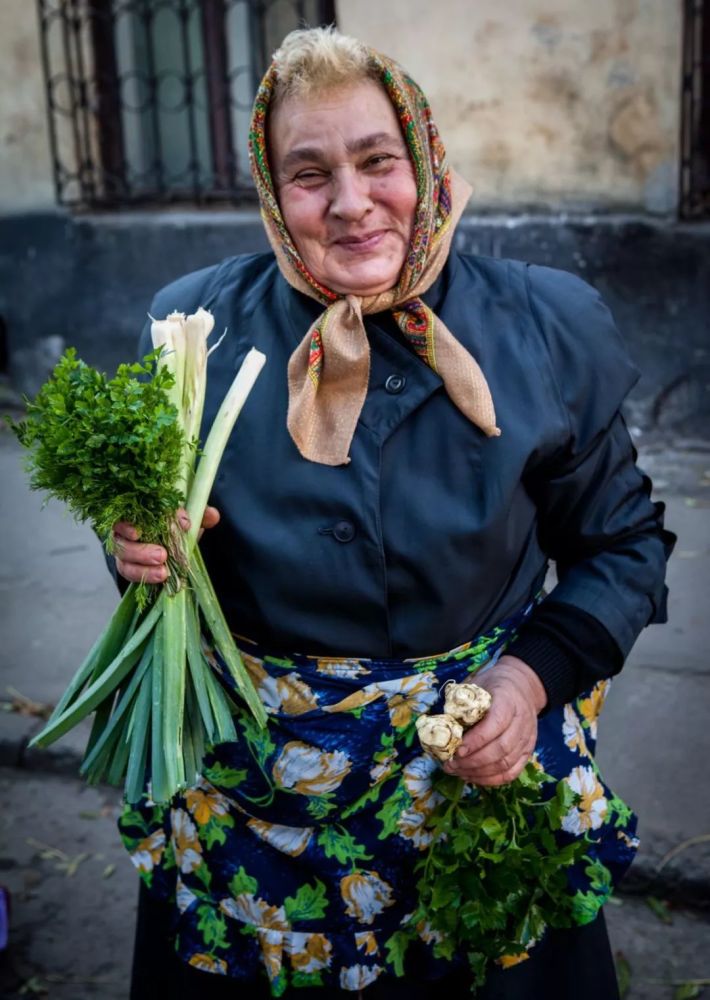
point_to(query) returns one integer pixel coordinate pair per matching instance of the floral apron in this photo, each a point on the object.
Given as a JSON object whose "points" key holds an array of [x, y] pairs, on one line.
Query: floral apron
{"points": [[294, 852]]}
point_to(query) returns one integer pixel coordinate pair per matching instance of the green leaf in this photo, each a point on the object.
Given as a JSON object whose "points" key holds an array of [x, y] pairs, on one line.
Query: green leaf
{"points": [[342, 846], [213, 832], [600, 877], [492, 827], [307, 979], [446, 892], [132, 818], [203, 873], [477, 962], [395, 949], [392, 809], [558, 807], [319, 806], [212, 926], [446, 948], [585, 906], [279, 985], [225, 777], [243, 883], [309, 903], [462, 842], [622, 811], [259, 740]]}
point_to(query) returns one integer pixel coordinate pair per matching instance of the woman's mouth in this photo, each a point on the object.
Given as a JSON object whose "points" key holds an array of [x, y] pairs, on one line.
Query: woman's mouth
{"points": [[361, 244]]}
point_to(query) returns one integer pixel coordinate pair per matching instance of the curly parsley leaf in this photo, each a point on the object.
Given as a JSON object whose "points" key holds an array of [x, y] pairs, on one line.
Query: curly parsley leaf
{"points": [[109, 448]]}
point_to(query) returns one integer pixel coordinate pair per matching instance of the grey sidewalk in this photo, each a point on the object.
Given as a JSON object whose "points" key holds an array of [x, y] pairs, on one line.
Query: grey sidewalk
{"points": [[55, 596]]}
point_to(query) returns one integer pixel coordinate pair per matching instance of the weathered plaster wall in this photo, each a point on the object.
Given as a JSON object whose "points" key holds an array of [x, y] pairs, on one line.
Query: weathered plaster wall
{"points": [[558, 103], [561, 104], [25, 170]]}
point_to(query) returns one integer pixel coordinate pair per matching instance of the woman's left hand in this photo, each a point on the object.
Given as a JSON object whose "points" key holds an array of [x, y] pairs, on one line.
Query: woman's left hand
{"points": [[497, 748]]}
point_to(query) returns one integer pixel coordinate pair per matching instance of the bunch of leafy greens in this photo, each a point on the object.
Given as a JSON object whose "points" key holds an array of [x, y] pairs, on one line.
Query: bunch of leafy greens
{"points": [[109, 448], [495, 875], [124, 449]]}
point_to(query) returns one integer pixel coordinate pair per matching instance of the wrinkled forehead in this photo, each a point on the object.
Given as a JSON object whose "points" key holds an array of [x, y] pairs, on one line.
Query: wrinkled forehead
{"points": [[349, 119]]}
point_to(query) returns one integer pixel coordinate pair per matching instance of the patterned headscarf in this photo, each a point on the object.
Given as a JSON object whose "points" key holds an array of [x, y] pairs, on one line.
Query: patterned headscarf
{"points": [[328, 372]]}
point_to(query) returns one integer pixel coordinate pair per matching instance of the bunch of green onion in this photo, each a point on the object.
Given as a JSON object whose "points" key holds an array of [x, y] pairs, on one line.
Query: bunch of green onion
{"points": [[158, 703]]}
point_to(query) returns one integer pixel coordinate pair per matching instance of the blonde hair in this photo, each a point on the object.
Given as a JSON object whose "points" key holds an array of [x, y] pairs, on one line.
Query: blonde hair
{"points": [[311, 60]]}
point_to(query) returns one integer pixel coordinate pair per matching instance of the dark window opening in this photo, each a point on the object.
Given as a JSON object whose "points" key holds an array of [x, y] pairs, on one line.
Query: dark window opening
{"points": [[149, 100], [695, 135]]}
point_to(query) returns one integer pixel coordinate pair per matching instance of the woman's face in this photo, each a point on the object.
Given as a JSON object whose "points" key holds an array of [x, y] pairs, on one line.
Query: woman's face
{"points": [[345, 185]]}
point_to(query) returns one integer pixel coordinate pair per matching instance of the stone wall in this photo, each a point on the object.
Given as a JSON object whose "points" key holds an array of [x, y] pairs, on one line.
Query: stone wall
{"points": [[545, 104], [25, 166]]}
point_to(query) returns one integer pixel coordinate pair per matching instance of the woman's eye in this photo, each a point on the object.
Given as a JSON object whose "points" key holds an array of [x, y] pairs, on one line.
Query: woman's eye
{"points": [[379, 160], [310, 177]]}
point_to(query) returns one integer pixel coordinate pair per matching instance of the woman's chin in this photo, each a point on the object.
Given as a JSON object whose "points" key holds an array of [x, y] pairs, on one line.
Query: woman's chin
{"points": [[365, 281]]}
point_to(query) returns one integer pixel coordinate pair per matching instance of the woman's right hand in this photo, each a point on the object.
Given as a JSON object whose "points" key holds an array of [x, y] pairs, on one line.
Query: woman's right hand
{"points": [[138, 561]]}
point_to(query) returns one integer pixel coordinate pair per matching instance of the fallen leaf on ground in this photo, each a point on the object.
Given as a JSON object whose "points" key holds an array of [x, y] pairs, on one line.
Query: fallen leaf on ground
{"points": [[70, 867], [687, 991], [660, 908], [63, 861], [33, 986], [23, 705], [623, 973], [47, 852]]}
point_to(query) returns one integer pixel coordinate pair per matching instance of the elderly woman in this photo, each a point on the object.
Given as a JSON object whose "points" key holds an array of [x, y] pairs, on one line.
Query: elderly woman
{"points": [[430, 429]]}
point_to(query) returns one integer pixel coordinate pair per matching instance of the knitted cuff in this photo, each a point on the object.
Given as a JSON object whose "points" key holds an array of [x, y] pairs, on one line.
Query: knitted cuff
{"points": [[550, 661]]}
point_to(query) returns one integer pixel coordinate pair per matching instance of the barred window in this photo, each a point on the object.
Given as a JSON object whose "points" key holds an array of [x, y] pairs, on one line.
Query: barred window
{"points": [[149, 100], [695, 138]]}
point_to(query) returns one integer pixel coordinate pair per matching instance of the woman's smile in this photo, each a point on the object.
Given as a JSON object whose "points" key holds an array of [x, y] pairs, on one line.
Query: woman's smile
{"points": [[361, 244]]}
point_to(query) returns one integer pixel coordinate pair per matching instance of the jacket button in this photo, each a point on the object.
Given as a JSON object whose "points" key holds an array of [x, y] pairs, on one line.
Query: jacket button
{"points": [[395, 384], [344, 531]]}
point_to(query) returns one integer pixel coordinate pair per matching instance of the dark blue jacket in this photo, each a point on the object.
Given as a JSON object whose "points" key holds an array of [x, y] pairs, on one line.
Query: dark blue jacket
{"points": [[433, 533]]}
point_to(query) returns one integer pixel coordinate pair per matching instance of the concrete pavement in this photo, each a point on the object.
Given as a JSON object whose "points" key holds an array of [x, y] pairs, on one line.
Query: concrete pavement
{"points": [[55, 596]]}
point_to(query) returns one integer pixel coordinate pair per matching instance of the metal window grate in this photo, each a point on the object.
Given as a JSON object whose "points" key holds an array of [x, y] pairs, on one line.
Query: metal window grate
{"points": [[695, 134], [149, 100]]}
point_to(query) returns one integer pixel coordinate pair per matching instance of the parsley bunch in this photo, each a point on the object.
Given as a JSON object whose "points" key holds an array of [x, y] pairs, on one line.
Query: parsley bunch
{"points": [[495, 875], [109, 448]]}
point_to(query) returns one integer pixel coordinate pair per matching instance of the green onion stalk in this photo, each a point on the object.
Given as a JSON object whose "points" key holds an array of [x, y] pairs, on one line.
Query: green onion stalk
{"points": [[96, 444]]}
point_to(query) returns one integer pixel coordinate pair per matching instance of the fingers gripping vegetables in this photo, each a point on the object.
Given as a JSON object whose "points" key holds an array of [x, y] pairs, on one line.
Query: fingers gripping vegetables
{"points": [[464, 705], [125, 449]]}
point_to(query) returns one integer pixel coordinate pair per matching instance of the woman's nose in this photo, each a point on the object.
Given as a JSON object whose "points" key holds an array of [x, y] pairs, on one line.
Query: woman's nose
{"points": [[351, 196]]}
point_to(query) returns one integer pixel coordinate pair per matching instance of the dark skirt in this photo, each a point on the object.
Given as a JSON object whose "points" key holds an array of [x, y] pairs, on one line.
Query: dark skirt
{"points": [[574, 964]]}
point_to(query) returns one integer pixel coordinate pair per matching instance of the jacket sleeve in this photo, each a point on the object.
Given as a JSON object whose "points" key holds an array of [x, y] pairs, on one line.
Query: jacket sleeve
{"points": [[596, 518]]}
